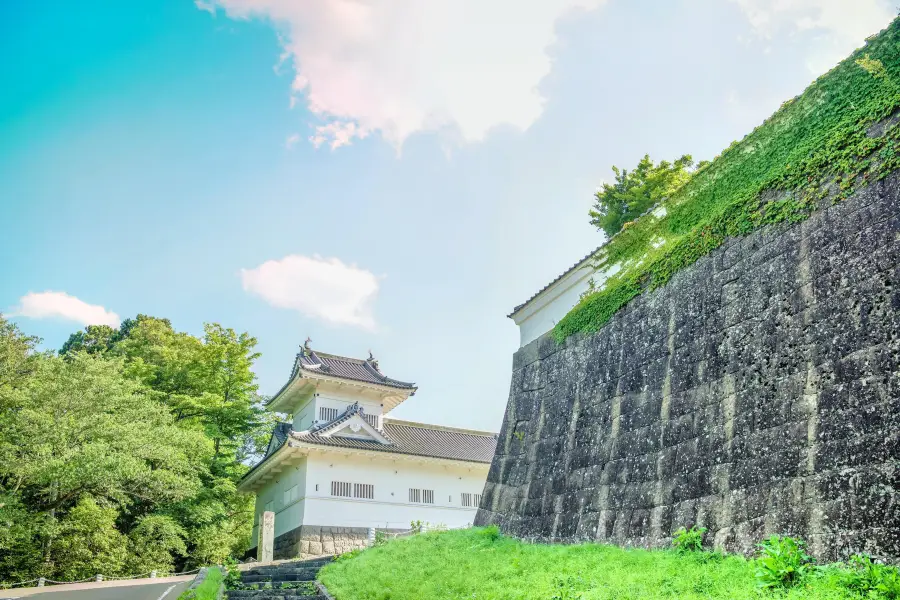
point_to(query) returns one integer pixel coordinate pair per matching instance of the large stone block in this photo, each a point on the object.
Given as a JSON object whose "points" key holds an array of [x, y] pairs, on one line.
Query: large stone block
{"points": [[757, 393]]}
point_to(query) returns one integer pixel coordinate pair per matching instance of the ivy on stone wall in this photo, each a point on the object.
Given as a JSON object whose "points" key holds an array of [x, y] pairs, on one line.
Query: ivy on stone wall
{"points": [[841, 133]]}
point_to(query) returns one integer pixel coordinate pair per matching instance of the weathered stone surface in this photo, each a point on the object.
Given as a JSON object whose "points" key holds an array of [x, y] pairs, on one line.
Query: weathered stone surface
{"points": [[308, 541], [757, 393], [266, 537]]}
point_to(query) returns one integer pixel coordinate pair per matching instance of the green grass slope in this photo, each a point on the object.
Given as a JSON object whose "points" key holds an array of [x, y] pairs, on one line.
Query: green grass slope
{"points": [[473, 565], [818, 148], [208, 590]]}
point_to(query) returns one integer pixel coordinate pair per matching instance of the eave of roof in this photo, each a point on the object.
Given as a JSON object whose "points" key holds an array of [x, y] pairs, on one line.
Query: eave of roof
{"points": [[412, 442], [581, 262], [418, 439], [344, 367], [373, 446], [374, 376]]}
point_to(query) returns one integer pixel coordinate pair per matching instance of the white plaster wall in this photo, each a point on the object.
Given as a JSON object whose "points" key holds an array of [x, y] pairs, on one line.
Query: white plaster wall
{"points": [[541, 314], [545, 311], [304, 417], [288, 515], [331, 398], [390, 507], [392, 480]]}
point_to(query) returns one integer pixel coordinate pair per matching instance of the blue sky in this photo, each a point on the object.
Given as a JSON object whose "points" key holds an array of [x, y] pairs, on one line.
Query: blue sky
{"points": [[385, 175]]}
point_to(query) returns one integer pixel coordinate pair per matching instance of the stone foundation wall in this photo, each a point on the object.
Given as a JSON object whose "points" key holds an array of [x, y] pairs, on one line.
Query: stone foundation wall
{"points": [[315, 540], [757, 393]]}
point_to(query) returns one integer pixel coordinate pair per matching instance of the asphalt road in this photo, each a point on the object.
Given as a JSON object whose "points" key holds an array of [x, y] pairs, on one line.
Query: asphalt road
{"points": [[155, 591]]}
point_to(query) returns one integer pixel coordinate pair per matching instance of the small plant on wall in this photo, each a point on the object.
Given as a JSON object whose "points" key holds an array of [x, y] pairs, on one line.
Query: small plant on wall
{"points": [[688, 540], [783, 562]]}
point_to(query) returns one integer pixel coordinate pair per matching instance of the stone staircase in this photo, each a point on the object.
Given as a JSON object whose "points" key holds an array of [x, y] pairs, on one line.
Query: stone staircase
{"points": [[282, 581]]}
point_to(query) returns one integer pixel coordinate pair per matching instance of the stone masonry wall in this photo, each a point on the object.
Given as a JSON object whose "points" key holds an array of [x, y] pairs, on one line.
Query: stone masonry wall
{"points": [[308, 541], [757, 393]]}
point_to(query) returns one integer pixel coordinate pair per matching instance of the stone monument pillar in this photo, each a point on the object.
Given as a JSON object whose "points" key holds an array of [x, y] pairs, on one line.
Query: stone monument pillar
{"points": [[266, 545]]}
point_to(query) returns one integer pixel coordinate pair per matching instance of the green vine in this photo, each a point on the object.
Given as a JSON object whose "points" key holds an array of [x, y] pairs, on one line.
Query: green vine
{"points": [[818, 147]]}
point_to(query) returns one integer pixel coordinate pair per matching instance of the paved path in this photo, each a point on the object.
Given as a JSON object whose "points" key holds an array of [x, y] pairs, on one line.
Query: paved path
{"points": [[166, 590]]}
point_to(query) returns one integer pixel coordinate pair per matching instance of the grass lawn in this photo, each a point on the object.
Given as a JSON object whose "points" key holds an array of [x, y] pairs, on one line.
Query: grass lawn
{"points": [[206, 590], [467, 564]]}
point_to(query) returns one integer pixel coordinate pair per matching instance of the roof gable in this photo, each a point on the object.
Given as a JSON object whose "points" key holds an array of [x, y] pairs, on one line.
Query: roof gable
{"points": [[349, 424]]}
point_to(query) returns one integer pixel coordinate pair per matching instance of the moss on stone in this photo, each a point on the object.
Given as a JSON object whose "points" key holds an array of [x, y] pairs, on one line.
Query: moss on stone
{"points": [[841, 133]]}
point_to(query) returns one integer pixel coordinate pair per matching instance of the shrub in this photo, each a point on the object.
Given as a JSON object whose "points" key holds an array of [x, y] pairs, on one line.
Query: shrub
{"points": [[380, 538], [871, 579], [688, 540], [782, 563], [232, 574], [491, 533]]}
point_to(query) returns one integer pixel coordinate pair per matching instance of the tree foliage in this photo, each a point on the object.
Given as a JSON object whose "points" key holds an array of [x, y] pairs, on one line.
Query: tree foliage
{"points": [[121, 454], [637, 190]]}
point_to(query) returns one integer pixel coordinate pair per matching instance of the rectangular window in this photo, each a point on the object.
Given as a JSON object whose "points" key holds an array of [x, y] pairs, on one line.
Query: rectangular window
{"points": [[364, 490], [421, 496], [470, 500], [371, 420], [327, 414], [340, 488]]}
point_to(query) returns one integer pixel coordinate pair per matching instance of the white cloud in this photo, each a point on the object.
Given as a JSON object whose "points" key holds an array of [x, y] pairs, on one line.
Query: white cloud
{"points": [[60, 305], [322, 288], [291, 140], [844, 24], [206, 6], [403, 66]]}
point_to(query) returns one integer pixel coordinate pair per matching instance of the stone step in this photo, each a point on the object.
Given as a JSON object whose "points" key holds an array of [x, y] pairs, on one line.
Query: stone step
{"points": [[305, 590], [271, 595], [291, 574], [300, 564], [282, 576], [280, 571]]}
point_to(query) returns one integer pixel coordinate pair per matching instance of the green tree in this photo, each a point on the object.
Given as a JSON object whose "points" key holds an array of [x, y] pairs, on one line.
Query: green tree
{"points": [[80, 428], [130, 443], [636, 191], [153, 543], [230, 411], [21, 535], [17, 359], [87, 542], [93, 340], [209, 385]]}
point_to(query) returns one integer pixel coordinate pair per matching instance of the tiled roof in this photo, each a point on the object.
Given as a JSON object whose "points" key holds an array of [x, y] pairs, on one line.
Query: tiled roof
{"points": [[281, 433], [347, 368], [418, 439]]}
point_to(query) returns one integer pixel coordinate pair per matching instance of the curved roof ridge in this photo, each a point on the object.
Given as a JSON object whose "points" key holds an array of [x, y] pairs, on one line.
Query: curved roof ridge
{"points": [[420, 425], [346, 367]]}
